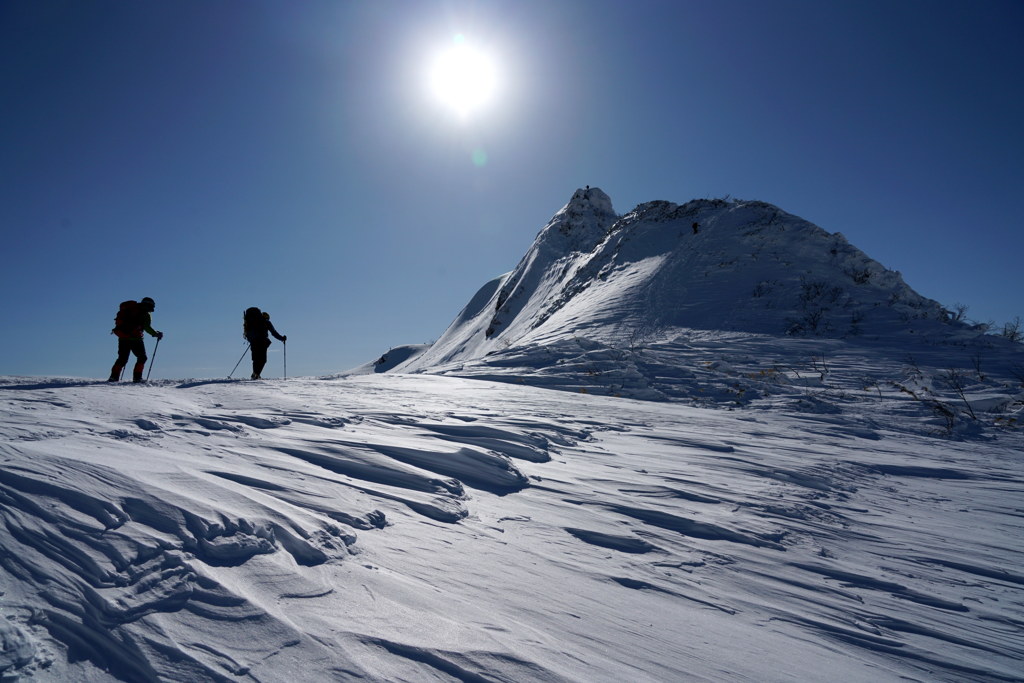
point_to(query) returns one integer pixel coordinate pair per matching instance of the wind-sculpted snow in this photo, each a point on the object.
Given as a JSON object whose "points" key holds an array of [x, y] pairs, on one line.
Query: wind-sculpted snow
{"points": [[418, 527]]}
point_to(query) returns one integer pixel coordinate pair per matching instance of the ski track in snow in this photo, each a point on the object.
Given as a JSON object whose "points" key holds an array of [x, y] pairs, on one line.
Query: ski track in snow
{"points": [[414, 527]]}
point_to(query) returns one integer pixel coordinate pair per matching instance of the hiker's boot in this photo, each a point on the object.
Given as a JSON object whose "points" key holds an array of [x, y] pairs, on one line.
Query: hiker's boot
{"points": [[115, 373]]}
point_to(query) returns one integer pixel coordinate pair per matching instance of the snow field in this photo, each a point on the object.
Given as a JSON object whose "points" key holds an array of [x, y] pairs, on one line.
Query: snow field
{"points": [[416, 527]]}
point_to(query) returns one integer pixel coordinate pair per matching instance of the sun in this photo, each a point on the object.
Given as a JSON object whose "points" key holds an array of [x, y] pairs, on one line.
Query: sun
{"points": [[463, 78]]}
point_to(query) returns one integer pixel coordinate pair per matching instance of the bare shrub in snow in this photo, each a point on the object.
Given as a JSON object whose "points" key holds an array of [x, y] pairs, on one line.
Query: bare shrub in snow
{"points": [[860, 276], [941, 410], [976, 362], [1012, 330], [958, 312], [819, 291], [956, 381]]}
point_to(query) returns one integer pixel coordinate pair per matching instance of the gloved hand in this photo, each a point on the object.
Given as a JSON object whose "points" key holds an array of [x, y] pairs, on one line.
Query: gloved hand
{"points": [[284, 337], [159, 335]]}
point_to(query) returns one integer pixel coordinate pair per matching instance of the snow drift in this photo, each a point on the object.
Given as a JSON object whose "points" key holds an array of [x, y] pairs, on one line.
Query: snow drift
{"points": [[415, 527]]}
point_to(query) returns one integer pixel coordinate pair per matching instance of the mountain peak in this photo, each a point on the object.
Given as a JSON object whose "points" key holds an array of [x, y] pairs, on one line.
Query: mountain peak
{"points": [[579, 225], [591, 200], [666, 269]]}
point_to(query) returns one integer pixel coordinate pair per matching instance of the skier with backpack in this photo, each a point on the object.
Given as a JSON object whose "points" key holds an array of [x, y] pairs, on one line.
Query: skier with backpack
{"points": [[133, 317], [257, 328]]}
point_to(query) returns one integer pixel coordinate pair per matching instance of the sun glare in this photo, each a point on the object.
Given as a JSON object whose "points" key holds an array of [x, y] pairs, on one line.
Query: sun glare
{"points": [[463, 79]]}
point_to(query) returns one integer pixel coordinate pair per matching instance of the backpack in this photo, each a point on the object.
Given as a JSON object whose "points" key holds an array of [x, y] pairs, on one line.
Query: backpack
{"points": [[253, 323], [128, 323]]}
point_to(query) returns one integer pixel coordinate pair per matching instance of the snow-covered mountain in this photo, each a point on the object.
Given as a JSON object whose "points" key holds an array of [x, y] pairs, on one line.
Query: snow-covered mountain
{"points": [[731, 266], [854, 514], [711, 302]]}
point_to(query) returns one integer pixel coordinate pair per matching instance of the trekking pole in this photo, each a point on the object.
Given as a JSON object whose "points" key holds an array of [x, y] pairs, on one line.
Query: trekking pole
{"points": [[153, 359], [285, 344], [239, 361]]}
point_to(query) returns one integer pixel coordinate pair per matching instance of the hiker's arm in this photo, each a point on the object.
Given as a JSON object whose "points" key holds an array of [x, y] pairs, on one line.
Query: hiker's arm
{"points": [[149, 328]]}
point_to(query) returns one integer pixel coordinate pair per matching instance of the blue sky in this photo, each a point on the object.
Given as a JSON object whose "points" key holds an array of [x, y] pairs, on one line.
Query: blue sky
{"points": [[289, 155]]}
